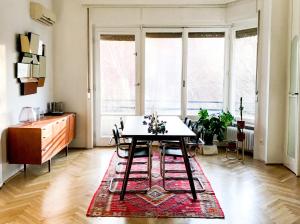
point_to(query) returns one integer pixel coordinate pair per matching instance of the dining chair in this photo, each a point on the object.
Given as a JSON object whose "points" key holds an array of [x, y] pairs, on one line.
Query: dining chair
{"points": [[174, 151], [141, 151], [127, 140], [188, 123]]}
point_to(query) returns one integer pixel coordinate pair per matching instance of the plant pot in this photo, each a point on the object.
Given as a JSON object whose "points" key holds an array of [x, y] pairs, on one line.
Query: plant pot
{"points": [[210, 150], [208, 139], [240, 124]]}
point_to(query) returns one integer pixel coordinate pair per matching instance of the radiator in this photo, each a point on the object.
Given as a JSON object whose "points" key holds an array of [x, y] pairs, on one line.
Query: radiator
{"points": [[249, 134]]}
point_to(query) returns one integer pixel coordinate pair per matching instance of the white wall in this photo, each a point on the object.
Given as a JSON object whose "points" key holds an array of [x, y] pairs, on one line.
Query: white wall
{"points": [[15, 19], [278, 76], [71, 63], [156, 16], [263, 71], [156, 2], [241, 11], [272, 74]]}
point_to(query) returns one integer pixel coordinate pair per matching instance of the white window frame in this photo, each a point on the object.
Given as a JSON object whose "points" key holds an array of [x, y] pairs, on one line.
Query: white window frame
{"points": [[226, 81], [99, 140], [159, 30], [231, 106]]}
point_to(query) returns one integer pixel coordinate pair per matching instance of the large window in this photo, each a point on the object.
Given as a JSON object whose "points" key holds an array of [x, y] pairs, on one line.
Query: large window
{"points": [[163, 73], [244, 72], [182, 70], [205, 71]]}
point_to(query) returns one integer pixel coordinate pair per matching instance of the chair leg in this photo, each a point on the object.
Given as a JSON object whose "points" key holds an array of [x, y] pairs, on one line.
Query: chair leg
{"points": [[163, 168], [150, 166]]}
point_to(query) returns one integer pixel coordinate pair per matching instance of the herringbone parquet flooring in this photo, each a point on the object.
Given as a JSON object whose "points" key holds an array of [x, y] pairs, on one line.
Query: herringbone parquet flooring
{"points": [[250, 193]]}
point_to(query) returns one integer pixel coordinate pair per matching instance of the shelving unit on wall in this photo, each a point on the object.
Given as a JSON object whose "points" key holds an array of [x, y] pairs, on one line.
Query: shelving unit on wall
{"points": [[31, 68]]}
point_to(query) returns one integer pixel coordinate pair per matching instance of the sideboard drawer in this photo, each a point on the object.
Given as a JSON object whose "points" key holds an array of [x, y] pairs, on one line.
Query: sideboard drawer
{"points": [[59, 126]]}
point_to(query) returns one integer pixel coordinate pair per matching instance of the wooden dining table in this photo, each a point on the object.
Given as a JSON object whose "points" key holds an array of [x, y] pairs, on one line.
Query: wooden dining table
{"points": [[136, 129]]}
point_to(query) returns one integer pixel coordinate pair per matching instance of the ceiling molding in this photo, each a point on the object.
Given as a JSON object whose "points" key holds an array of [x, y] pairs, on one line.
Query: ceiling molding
{"points": [[157, 3]]}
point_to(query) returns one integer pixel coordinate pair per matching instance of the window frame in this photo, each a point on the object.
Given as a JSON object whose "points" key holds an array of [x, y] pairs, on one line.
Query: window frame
{"points": [[143, 65], [231, 96], [227, 44]]}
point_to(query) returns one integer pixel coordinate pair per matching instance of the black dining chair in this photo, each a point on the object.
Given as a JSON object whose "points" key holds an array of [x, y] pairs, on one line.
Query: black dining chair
{"points": [[127, 140], [169, 150], [141, 151]]}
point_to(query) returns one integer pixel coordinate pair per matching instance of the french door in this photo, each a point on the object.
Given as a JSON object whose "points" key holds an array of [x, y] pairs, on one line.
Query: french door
{"points": [[117, 80], [292, 149], [177, 71]]}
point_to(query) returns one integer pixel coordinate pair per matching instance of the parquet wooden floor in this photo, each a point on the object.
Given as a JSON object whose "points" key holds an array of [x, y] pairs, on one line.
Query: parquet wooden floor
{"points": [[250, 193]]}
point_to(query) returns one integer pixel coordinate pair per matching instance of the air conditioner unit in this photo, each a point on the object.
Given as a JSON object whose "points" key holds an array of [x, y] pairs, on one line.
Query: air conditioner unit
{"points": [[39, 13]]}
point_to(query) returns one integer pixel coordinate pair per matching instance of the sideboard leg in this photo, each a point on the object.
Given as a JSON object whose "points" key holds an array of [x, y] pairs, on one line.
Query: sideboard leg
{"points": [[24, 169], [67, 150], [49, 165]]}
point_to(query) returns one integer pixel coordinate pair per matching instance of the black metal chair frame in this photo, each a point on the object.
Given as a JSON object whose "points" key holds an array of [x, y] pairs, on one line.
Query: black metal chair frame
{"points": [[164, 177], [125, 147]]}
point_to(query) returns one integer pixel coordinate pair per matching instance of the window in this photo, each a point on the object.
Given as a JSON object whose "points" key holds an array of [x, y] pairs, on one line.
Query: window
{"points": [[163, 73], [205, 71], [244, 72]]}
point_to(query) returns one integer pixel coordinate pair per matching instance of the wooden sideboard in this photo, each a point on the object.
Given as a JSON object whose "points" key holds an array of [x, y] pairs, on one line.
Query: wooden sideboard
{"points": [[39, 141]]}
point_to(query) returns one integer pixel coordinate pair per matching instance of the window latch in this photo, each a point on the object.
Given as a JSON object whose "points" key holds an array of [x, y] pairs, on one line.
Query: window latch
{"points": [[183, 83]]}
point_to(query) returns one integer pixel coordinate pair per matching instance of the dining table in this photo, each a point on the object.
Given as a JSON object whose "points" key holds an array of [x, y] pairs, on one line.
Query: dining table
{"points": [[137, 128]]}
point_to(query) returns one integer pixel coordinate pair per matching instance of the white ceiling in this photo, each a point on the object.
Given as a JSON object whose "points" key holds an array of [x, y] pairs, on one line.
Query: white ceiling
{"points": [[157, 2]]}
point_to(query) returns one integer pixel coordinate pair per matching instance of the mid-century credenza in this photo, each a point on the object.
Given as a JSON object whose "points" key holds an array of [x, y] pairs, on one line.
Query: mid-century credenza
{"points": [[37, 142]]}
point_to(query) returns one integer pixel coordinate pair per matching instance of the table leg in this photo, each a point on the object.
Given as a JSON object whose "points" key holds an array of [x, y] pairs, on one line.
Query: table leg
{"points": [[128, 167], [188, 168]]}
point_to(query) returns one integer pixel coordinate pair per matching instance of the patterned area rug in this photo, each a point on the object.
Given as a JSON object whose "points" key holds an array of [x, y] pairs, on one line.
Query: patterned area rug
{"points": [[157, 202]]}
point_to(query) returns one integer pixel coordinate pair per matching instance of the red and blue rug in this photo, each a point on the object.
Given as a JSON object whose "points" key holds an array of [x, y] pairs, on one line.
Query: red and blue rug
{"points": [[157, 202]]}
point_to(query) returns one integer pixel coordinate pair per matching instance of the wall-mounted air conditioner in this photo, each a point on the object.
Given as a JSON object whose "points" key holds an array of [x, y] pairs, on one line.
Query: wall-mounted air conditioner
{"points": [[39, 13]]}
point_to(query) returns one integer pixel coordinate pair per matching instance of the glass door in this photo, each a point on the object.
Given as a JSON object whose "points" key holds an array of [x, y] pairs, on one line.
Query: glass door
{"points": [[117, 80], [163, 71]]}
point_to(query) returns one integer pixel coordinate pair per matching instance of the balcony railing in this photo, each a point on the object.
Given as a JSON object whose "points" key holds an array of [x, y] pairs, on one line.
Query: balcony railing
{"points": [[128, 106]]}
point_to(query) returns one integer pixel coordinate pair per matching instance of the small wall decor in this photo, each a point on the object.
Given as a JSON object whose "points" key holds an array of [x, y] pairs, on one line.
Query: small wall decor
{"points": [[31, 68]]}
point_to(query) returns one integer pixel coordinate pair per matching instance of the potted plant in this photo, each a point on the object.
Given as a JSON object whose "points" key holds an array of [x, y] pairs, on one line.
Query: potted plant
{"points": [[211, 125]]}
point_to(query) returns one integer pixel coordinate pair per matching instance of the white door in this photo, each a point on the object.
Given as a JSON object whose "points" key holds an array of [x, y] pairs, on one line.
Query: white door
{"points": [[292, 149], [117, 80]]}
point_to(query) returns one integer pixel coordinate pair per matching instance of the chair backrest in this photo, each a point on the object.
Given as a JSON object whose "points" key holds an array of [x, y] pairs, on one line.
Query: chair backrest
{"points": [[184, 121], [116, 135], [122, 125], [188, 122]]}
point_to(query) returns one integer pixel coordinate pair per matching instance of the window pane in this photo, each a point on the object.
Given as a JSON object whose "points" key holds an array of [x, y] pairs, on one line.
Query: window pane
{"points": [[163, 59], [244, 73], [205, 73], [117, 70]]}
